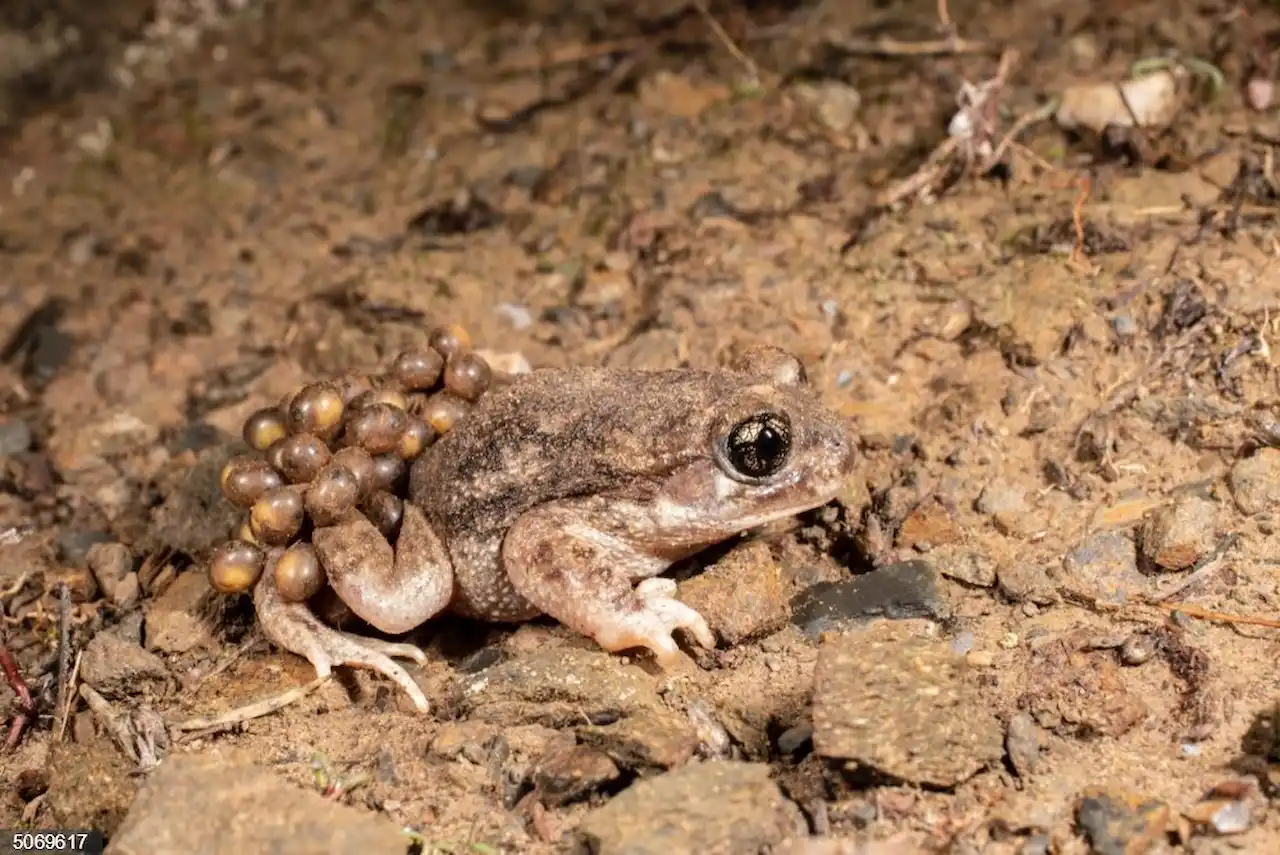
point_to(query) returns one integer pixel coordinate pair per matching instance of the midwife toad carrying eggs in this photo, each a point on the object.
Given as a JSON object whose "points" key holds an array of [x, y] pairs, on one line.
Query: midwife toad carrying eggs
{"points": [[336, 447], [562, 492]]}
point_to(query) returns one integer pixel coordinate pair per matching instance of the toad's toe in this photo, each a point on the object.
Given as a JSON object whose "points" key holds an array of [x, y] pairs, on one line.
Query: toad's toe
{"points": [[652, 627]]}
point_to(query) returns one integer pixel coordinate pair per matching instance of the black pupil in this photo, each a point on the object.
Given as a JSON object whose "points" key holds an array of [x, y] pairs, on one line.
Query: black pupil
{"points": [[759, 445]]}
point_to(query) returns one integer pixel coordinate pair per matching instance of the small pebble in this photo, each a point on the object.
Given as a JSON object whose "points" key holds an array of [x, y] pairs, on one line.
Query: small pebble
{"points": [[1178, 535], [1255, 481], [15, 436], [109, 563], [1137, 650]]}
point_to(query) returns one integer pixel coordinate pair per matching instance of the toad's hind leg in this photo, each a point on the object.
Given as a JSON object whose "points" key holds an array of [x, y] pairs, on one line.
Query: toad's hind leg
{"points": [[295, 628], [392, 589], [583, 577]]}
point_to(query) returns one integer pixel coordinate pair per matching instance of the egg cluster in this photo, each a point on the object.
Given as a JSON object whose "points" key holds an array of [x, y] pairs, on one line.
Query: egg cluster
{"points": [[336, 446]]}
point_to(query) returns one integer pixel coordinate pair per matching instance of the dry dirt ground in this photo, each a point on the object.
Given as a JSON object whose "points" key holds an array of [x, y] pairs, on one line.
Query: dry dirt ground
{"points": [[1065, 401]]}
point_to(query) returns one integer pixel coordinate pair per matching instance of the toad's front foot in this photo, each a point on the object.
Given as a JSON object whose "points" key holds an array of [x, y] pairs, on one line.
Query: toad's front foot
{"points": [[652, 625], [295, 628]]}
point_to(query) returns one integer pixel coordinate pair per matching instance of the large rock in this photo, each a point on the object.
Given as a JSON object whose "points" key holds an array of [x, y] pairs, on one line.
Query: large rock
{"points": [[715, 808], [905, 706], [202, 804]]}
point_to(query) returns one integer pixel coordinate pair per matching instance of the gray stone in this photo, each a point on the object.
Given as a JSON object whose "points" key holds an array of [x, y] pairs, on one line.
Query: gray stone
{"points": [[1105, 566], [119, 668], [716, 808], [203, 804], [905, 706]]}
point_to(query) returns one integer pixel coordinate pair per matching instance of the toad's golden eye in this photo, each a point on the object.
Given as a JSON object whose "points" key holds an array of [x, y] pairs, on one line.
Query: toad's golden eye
{"points": [[758, 446]]}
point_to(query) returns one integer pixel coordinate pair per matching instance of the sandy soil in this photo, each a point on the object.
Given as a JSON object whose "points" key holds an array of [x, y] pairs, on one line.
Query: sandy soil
{"points": [[1065, 399]]}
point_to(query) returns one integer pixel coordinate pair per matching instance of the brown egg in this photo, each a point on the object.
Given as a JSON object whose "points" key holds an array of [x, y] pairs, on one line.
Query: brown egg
{"points": [[415, 439], [278, 516], [235, 567], [332, 493], [352, 386], [244, 479], [449, 339], [443, 410], [317, 409], [299, 574], [389, 471], [264, 428], [359, 463], [274, 455], [386, 512], [246, 533], [302, 456], [418, 370], [391, 395], [376, 428], [467, 375]]}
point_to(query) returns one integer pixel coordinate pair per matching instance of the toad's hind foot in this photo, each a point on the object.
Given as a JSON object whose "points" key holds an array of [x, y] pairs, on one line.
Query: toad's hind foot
{"points": [[293, 627]]}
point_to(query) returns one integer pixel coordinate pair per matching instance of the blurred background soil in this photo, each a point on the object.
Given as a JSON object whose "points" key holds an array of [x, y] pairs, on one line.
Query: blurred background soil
{"points": [[1053, 342]]}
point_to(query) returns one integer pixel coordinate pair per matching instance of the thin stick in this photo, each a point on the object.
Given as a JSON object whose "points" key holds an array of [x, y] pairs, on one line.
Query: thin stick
{"points": [[64, 645], [894, 47], [64, 711], [1024, 122], [729, 45], [257, 709], [1207, 614], [105, 713]]}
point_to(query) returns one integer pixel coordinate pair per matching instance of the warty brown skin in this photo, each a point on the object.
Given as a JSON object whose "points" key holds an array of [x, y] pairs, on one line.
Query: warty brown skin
{"points": [[558, 494]]}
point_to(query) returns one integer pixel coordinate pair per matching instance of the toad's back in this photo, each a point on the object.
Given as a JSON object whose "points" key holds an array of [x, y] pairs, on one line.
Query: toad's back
{"points": [[549, 435]]}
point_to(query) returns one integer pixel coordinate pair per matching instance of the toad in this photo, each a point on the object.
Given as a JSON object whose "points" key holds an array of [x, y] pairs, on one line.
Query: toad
{"points": [[567, 493]]}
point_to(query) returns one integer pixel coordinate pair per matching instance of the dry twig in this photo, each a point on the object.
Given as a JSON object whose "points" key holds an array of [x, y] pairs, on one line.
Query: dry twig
{"points": [[117, 729], [257, 709]]}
